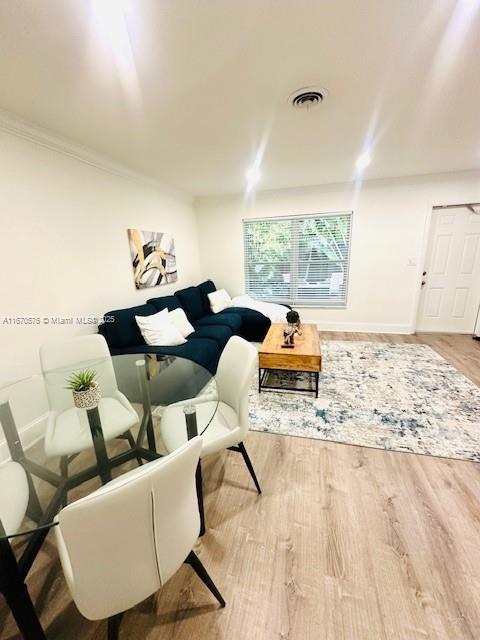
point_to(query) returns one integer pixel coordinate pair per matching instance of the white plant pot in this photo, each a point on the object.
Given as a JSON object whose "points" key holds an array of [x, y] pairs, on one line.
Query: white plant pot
{"points": [[87, 399]]}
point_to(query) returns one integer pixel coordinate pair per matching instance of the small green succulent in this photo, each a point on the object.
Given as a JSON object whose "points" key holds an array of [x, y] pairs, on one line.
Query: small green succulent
{"points": [[82, 380]]}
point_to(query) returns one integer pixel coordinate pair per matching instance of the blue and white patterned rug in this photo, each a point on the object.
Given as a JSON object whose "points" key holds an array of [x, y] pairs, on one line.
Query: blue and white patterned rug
{"points": [[400, 397]]}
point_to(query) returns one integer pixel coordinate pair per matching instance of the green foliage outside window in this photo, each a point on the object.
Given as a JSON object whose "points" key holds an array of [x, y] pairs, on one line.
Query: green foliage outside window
{"points": [[298, 259]]}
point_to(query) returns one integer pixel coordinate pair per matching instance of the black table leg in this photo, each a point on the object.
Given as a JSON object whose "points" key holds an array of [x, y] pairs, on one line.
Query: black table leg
{"points": [[152, 445], [191, 420], [114, 627], [104, 469], [192, 431], [16, 594], [37, 538], [317, 375], [147, 420], [11, 434], [34, 510]]}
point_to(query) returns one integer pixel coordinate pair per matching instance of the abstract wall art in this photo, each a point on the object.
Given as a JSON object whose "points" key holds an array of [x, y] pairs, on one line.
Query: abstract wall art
{"points": [[153, 258]]}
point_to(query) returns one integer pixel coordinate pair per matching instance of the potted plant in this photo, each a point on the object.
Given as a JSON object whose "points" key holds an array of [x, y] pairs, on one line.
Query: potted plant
{"points": [[86, 392]]}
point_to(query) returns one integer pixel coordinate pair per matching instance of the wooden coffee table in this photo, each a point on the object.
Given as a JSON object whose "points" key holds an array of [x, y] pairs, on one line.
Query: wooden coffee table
{"points": [[305, 356]]}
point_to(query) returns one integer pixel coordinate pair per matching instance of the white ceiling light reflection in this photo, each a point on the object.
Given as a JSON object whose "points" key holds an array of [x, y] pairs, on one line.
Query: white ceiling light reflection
{"points": [[111, 20], [363, 160], [462, 21], [253, 176], [361, 163]]}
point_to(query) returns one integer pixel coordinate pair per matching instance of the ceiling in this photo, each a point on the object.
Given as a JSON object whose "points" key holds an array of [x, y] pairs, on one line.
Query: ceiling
{"points": [[191, 91]]}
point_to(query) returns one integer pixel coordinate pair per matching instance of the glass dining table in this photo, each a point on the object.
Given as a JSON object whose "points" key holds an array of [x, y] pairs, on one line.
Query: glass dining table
{"points": [[39, 480]]}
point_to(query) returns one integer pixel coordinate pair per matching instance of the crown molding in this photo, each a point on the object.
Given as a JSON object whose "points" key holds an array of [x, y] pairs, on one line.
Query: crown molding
{"points": [[37, 135], [345, 187]]}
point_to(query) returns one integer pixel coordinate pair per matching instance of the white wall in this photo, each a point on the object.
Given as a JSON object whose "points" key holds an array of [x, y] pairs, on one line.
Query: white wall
{"points": [[390, 222], [64, 252], [64, 246]]}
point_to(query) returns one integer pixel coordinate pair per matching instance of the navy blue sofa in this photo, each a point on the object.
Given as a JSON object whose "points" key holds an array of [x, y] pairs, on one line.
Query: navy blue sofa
{"points": [[212, 331]]}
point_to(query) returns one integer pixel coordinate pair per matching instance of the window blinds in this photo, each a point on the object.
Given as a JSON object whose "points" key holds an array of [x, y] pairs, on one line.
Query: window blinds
{"points": [[300, 260]]}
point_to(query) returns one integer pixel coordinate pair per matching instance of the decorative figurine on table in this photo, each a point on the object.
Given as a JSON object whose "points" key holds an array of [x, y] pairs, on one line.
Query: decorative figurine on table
{"points": [[292, 328]]}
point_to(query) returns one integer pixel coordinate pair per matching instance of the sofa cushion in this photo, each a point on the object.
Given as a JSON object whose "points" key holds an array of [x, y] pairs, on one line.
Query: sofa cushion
{"points": [[221, 333], [203, 351], [159, 331], [191, 301], [254, 326], [205, 288], [123, 331], [219, 300], [165, 302], [179, 319], [231, 319]]}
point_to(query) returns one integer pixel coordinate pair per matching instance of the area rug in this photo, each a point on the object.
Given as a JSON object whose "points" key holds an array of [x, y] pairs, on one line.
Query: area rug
{"points": [[400, 397]]}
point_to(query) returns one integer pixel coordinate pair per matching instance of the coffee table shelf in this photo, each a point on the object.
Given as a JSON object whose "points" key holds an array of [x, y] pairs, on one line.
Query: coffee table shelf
{"points": [[305, 357]]}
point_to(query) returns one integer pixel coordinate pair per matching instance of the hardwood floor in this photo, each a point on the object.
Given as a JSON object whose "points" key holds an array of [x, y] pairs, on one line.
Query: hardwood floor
{"points": [[346, 543]]}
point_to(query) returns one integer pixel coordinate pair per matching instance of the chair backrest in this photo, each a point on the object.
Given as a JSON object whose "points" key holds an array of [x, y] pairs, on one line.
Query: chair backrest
{"points": [[121, 543], [234, 376], [60, 359]]}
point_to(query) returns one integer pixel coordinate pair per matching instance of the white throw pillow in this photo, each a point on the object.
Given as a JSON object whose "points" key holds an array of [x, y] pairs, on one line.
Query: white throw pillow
{"points": [[219, 300], [179, 319], [158, 330]]}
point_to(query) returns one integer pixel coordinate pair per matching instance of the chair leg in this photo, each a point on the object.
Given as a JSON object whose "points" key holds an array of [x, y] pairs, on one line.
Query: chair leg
{"points": [[114, 627], [249, 464], [199, 485], [194, 561]]}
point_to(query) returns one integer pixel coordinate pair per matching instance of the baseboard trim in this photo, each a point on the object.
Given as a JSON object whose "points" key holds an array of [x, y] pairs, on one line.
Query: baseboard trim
{"points": [[439, 331], [29, 435], [365, 327]]}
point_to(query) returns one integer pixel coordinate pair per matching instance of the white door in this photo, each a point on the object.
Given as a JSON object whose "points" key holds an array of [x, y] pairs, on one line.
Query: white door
{"points": [[451, 290]]}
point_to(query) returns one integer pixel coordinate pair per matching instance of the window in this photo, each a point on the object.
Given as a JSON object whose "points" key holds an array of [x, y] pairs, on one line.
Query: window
{"points": [[301, 260]]}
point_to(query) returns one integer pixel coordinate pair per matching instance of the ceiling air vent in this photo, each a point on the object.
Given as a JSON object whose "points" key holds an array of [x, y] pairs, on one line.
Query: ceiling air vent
{"points": [[308, 97]]}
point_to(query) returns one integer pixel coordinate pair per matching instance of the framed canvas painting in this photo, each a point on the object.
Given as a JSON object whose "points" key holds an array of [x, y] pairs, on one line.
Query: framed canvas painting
{"points": [[153, 258]]}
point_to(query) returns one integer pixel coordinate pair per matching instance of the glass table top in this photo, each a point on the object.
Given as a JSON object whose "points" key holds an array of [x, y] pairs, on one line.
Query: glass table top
{"points": [[144, 385]]}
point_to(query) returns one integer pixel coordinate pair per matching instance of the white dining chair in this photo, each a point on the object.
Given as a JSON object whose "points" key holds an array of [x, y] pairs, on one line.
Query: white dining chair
{"points": [[14, 500], [68, 432], [120, 544], [230, 423], [13, 496]]}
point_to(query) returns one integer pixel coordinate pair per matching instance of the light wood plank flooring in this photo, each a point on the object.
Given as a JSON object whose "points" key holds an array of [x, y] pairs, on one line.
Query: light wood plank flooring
{"points": [[346, 543]]}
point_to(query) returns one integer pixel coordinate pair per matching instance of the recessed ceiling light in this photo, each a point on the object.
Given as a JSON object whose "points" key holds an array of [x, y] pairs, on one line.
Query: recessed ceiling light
{"points": [[363, 160]]}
